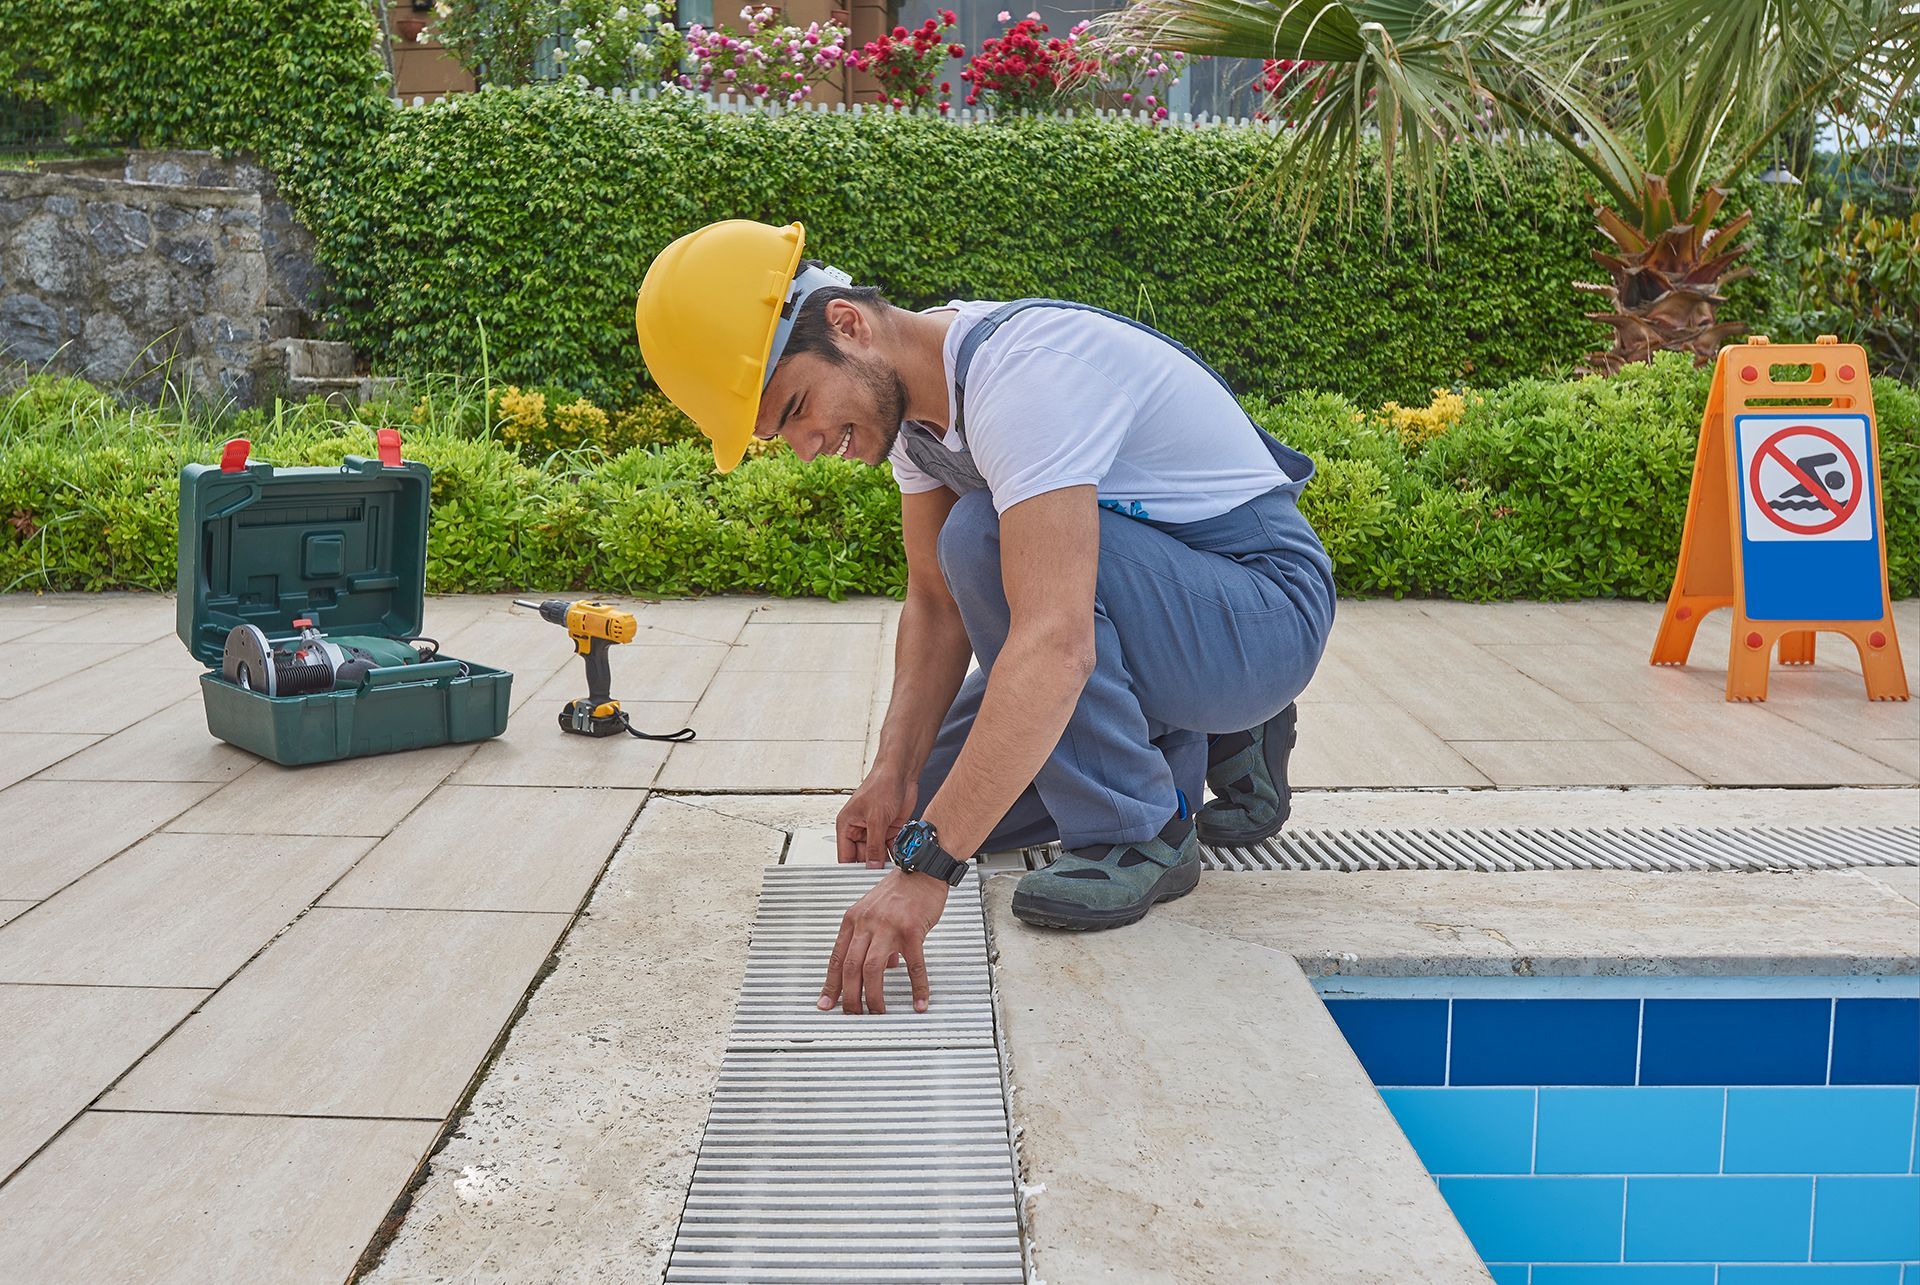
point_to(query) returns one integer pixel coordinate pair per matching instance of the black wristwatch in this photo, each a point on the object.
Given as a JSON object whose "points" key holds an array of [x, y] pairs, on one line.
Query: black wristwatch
{"points": [[916, 849]]}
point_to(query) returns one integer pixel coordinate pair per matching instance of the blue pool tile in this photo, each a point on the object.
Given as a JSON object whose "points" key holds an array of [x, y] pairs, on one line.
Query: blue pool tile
{"points": [[1508, 1273], [1819, 1130], [1399, 1041], [1735, 1041], [1555, 1219], [1623, 1274], [1467, 1131], [1876, 1041], [1713, 1220], [1813, 1274], [1867, 1219], [1629, 1131], [1544, 1041]]}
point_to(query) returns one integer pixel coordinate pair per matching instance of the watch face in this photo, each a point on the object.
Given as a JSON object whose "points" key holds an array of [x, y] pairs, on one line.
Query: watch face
{"points": [[912, 838]]}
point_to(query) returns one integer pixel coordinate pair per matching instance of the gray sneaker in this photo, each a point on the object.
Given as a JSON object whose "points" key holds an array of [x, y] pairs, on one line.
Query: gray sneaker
{"points": [[1247, 772], [1106, 887]]}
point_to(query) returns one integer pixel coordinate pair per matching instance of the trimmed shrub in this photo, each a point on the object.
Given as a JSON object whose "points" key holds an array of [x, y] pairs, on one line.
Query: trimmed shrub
{"points": [[523, 220]]}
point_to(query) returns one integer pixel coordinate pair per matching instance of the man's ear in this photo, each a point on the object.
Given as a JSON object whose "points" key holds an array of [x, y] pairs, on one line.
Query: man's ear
{"points": [[850, 323]]}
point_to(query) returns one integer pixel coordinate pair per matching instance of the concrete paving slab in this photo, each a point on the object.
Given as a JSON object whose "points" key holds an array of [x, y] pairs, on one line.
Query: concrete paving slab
{"points": [[108, 694], [1338, 680], [1571, 763], [190, 1199], [576, 1152], [1612, 672], [521, 643], [14, 909], [24, 753], [785, 707], [352, 1012], [534, 751], [64, 1045], [26, 666], [1653, 806], [123, 620], [1899, 882], [49, 606], [1834, 704], [1583, 923], [801, 647], [1734, 743], [820, 611], [493, 848], [173, 910], [763, 765], [1187, 1111], [1378, 745], [172, 745], [1535, 623], [364, 796], [712, 619], [1901, 756], [679, 673], [56, 831]]}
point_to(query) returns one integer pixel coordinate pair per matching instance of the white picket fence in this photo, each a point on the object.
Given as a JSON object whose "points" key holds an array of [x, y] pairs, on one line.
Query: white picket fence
{"points": [[959, 115]]}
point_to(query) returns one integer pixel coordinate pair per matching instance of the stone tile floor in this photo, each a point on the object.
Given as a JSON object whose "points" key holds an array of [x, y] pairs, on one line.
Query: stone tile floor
{"points": [[242, 1001]]}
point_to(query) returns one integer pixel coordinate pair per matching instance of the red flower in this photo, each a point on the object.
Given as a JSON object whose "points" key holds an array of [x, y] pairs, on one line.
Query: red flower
{"points": [[899, 33]]}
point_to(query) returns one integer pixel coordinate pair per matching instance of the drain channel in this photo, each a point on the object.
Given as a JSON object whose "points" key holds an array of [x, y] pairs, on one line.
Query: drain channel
{"points": [[855, 1149]]}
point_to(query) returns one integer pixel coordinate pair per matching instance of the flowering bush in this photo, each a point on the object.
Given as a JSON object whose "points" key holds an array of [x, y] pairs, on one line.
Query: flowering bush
{"points": [[1279, 79], [1021, 69], [906, 63], [496, 40], [624, 46], [1140, 77], [767, 62]]}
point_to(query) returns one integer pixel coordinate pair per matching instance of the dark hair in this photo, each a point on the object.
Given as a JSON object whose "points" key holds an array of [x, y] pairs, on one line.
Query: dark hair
{"points": [[811, 333]]}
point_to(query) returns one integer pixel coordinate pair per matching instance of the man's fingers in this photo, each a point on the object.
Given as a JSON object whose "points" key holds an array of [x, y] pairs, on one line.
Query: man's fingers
{"points": [[873, 976], [836, 960], [917, 973], [849, 834], [853, 972]]}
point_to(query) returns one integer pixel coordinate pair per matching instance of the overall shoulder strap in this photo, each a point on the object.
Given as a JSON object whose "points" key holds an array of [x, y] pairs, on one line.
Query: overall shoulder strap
{"points": [[984, 328]]}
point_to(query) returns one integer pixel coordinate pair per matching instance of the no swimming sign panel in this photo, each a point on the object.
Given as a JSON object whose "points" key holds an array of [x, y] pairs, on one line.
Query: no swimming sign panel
{"points": [[1811, 542]]}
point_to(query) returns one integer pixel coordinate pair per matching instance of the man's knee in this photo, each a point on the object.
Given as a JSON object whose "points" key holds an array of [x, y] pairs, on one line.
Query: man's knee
{"points": [[970, 542]]}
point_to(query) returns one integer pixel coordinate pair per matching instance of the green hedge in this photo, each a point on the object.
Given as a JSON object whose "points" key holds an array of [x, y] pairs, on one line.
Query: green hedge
{"points": [[1538, 490], [287, 79], [532, 214]]}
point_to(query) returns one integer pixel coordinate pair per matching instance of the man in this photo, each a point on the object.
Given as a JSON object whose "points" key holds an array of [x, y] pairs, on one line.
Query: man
{"points": [[1087, 510]]}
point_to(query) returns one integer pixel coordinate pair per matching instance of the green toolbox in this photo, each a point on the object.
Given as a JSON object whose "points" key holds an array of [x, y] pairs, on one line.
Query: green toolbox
{"points": [[302, 590]]}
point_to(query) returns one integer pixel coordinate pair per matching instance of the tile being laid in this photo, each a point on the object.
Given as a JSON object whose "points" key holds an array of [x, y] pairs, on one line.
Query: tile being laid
{"points": [[64, 1044], [362, 796], [351, 1012], [56, 831], [543, 849], [193, 1198], [171, 745], [173, 910]]}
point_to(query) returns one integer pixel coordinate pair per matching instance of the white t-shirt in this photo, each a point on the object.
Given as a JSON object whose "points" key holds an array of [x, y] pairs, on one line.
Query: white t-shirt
{"points": [[1057, 397]]}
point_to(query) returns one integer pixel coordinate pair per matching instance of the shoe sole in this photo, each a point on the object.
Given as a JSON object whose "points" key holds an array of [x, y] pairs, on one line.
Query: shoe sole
{"points": [[1046, 912]]}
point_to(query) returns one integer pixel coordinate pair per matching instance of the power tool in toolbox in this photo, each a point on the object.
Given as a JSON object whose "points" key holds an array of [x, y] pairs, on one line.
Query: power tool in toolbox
{"points": [[313, 661], [595, 626]]}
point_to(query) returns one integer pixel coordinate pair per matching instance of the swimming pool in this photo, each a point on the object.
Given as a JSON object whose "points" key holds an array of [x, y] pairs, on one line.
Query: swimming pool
{"points": [[1659, 1131]]}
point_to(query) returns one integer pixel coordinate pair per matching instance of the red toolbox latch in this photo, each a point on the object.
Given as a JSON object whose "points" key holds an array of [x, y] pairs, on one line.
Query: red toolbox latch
{"points": [[389, 439], [233, 456]]}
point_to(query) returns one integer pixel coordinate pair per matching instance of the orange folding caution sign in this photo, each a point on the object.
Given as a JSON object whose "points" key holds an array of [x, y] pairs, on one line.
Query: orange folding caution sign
{"points": [[1784, 519]]}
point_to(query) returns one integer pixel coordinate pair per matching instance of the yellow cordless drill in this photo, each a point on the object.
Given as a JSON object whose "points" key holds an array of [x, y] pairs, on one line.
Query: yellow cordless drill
{"points": [[594, 626]]}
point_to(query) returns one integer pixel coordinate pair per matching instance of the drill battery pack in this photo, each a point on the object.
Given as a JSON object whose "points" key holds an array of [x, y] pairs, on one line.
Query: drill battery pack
{"points": [[343, 552]]}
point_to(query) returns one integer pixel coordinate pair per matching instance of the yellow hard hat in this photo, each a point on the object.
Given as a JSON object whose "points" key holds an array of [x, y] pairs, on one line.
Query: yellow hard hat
{"points": [[713, 317]]}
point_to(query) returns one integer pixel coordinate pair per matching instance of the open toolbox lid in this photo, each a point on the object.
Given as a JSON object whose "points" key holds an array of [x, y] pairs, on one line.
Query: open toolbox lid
{"points": [[343, 547]]}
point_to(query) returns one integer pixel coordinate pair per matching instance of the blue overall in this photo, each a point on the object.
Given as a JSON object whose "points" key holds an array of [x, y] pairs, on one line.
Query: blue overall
{"points": [[1200, 628]]}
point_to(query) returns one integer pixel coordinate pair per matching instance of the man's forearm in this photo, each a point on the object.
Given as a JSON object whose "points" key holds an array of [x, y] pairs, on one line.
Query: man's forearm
{"points": [[1036, 682], [931, 655]]}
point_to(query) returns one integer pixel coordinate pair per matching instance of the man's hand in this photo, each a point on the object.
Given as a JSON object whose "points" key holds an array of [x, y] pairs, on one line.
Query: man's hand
{"points": [[893, 918], [883, 803]]}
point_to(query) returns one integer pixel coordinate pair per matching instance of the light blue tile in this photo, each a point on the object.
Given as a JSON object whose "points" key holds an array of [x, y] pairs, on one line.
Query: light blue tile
{"points": [[1838, 1130], [1535, 1219], [1867, 1219], [1624, 1274], [1508, 1273], [1629, 1131], [1718, 1220], [1467, 1131], [1813, 1274]]}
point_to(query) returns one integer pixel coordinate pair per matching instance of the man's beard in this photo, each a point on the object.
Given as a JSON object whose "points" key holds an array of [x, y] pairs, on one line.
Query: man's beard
{"points": [[889, 395]]}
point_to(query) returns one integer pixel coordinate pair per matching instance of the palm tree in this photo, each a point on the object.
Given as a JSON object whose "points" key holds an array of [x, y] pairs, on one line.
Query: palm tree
{"points": [[1663, 103]]}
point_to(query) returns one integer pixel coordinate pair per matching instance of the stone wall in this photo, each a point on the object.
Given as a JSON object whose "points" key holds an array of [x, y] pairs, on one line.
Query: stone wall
{"points": [[181, 266]]}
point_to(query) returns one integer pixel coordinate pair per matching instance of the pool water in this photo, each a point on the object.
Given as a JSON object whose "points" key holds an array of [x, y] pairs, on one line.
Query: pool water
{"points": [[1659, 1131]]}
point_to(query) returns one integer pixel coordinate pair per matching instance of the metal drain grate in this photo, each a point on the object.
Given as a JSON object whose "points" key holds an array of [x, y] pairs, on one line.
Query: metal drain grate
{"points": [[854, 1149], [1663, 849]]}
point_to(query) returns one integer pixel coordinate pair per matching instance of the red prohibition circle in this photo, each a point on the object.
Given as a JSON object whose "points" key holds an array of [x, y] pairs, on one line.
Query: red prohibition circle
{"points": [[1770, 447]]}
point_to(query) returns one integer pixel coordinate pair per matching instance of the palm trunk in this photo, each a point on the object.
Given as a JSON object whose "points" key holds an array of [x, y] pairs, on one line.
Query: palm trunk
{"points": [[1665, 287]]}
